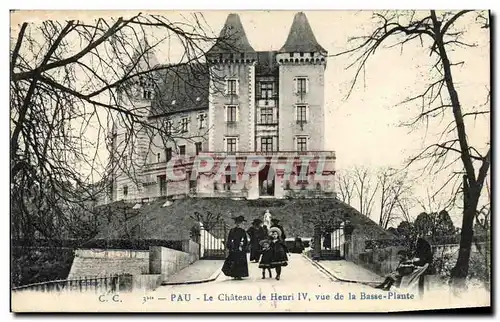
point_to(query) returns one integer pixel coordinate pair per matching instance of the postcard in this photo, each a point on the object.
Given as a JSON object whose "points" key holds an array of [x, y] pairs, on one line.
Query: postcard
{"points": [[250, 161]]}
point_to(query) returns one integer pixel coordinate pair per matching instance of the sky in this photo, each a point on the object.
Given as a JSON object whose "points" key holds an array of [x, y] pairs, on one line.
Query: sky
{"points": [[363, 128]]}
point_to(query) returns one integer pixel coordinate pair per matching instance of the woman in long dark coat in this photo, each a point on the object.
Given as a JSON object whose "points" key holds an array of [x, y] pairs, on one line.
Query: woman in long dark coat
{"points": [[256, 234], [236, 264]]}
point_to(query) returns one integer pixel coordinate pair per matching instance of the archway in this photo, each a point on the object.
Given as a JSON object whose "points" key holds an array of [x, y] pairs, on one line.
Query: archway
{"points": [[267, 181]]}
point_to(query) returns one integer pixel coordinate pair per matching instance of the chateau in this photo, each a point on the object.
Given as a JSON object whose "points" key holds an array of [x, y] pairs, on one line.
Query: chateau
{"points": [[239, 106]]}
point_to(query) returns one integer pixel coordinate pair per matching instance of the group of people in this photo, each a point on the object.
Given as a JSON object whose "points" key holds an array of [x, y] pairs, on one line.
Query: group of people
{"points": [[266, 244], [409, 267]]}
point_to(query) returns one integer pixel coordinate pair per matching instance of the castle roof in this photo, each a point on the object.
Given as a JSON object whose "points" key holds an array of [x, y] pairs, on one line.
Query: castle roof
{"points": [[266, 63], [181, 88], [232, 38], [301, 37]]}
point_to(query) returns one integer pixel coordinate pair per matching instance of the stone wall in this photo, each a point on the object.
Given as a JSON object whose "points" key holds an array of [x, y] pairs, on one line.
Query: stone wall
{"points": [[166, 261], [107, 262], [157, 261], [379, 260]]}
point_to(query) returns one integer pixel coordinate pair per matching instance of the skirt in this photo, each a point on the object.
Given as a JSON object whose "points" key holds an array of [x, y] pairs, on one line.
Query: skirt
{"points": [[236, 264]]}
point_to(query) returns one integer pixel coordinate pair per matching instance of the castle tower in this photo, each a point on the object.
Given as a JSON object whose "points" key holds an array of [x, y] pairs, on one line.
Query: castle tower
{"points": [[302, 63], [232, 97], [131, 144]]}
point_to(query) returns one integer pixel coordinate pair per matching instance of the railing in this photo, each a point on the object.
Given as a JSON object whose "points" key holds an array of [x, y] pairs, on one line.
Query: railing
{"points": [[97, 284], [267, 123], [270, 153]]}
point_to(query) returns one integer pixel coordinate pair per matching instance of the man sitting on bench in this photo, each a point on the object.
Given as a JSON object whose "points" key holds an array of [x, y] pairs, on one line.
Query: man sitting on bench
{"points": [[405, 267], [422, 260]]}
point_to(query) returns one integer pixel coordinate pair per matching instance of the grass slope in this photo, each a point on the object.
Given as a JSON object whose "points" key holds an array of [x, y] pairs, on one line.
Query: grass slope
{"points": [[153, 221]]}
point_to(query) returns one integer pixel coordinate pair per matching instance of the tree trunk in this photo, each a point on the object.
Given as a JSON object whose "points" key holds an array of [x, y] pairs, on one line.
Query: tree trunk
{"points": [[460, 271], [317, 242]]}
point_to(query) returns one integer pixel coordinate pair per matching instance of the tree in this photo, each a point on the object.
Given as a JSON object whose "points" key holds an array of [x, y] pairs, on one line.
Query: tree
{"points": [[72, 80], [209, 220], [346, 186], [365, 190], [394, 195], [438, 226], [440, 33]]}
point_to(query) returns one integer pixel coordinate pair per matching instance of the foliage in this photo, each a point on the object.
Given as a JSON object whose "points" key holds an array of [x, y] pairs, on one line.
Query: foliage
{"points": [[35, 265], [434, 225]]}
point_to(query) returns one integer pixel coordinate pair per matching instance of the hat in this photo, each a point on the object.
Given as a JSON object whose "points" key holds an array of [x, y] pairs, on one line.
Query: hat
{"points": [[276, 220], [256, 221], [239, 219], [264, 241], [276, 229]]}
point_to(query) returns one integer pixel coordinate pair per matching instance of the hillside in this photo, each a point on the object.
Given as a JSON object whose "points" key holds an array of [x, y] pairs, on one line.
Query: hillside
{"points": [[152, 221]]}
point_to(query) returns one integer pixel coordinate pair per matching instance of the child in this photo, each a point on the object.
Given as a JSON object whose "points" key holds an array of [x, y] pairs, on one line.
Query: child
{"points": [[265, 260], [405, 267], [278, 257]]}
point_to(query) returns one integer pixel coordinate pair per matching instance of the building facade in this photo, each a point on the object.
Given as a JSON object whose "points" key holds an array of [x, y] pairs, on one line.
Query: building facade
{"points": [[246, 124]]}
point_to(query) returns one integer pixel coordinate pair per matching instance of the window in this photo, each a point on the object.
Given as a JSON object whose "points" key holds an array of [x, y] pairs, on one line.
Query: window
{"points": [[158, 157], [169, 127], [301, 143], [147, 94], [266, 90], [312, 53], [231, 113], [266, 144], [291, 54], [301, 83], [231, 144], [125, 191], [202, 121], [184, 124], [231, 86], [228, 182], [266, 116], [163, 184], [168, 154], [197, 146], [182, 149], [301, 54], [301, 113]]}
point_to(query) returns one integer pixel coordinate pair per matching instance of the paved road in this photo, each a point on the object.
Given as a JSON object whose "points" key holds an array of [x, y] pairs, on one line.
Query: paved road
{"points": [[300, 276], [302, 288]]}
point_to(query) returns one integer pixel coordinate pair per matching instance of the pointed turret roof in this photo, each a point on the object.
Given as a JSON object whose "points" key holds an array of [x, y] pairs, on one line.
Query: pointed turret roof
{"points": [[144, 56], [301, 37], [232, 38]]}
